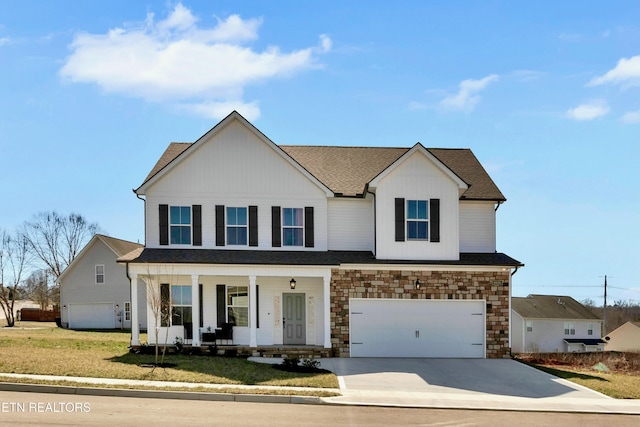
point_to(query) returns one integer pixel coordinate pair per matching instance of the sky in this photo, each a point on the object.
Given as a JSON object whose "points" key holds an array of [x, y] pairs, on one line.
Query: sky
{"points": [[546, 94]]}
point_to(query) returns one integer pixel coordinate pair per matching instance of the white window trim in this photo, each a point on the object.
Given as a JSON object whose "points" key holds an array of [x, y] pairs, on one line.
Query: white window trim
{"points": [[569, 328], [407, 220], [590, 329], [104, 276], [190, 225], [226, 225], [175, 305], [227, 305], [529, 326], [301, 227]]}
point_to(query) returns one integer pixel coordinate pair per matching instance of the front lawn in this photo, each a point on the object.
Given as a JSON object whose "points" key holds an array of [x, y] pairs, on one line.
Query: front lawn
{"points": [[612, 373], [56, 351]]}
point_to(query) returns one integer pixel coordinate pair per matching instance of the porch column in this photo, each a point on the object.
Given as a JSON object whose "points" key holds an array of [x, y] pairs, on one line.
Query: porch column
{"points": [[195, 310], [253, 313], [326, 298], [135, 325]]}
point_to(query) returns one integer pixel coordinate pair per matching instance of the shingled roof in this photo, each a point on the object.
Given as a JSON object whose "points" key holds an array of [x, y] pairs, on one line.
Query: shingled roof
{"points": [[348, 170], [551, 307]]}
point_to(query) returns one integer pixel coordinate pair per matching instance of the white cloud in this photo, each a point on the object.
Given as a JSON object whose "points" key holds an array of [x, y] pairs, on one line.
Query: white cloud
{"points": [[589, 111], [626, 73], [528, 75], [175, 60], [4, 40], [631, 117], [219, 110], [467, 98]]}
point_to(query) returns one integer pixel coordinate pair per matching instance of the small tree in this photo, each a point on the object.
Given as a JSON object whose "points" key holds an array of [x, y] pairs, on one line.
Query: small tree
{"points": [[13, 260], [159, 302], [36, 288]]}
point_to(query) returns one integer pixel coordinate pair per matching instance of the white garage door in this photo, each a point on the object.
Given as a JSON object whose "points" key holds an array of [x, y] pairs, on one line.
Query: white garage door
{"points": [[417, 328], [91, 316]]}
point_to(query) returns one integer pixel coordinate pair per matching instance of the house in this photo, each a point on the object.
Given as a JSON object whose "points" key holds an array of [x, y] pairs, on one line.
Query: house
{"points": [[625, 338], [360, 251], [95, 290], [552, 323]]}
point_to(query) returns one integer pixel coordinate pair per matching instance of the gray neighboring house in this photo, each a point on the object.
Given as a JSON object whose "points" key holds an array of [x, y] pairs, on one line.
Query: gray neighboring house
{"points": [[553, 323], [95, 292]]}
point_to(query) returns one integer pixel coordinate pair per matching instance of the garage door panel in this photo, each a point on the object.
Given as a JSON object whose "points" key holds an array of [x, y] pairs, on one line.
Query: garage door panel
{"points": [[91, 316], [417, 328]]}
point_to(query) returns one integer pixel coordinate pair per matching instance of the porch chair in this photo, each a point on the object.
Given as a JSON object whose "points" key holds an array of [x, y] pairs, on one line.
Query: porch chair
{"points": [[225, 332]]}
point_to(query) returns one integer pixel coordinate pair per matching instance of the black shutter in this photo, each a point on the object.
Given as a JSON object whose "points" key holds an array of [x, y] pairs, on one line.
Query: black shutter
{"points": [[221, 305], [197, 225], [164, 304], [253, 226], [201, 310], [163, 213], [308, 227], [399, 220], [220, 237], [434, 220], [257, 306], [276, 234]]}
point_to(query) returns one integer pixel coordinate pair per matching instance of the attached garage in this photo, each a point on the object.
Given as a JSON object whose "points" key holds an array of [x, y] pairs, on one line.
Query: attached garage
{"points": [[92, 316], [417, 328]]}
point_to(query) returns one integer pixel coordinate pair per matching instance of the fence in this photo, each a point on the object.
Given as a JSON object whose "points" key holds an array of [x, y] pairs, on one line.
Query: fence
{"points": [[37, 315]]}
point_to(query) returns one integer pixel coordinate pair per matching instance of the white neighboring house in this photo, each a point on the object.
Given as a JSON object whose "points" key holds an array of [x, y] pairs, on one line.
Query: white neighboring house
{"points": [[359, 251], [553, 323], [95, 292], [624, 338]]}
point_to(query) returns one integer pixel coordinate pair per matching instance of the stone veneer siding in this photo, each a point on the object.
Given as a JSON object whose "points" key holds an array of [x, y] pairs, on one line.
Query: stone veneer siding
{"points": [[492, 286]]}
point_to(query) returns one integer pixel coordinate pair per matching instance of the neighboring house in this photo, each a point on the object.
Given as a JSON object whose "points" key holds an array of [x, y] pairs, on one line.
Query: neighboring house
{"points": [[365, 251], [552, 323], [95, 292], [625, 338]]}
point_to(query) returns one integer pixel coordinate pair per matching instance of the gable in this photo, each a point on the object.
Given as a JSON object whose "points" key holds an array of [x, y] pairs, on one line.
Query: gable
{"points": [[233, 152]]}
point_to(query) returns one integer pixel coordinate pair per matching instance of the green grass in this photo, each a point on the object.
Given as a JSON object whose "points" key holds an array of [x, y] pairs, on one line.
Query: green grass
{"points": [[55, 351]]}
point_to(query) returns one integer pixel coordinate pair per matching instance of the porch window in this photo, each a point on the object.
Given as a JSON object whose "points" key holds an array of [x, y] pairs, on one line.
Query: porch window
{"points": [[180, 225], [292, 227], [127, 311], [417, 220], [236, 226], [589, 328], [181, 305], [99, 274], [238, 305], [569, 328]]}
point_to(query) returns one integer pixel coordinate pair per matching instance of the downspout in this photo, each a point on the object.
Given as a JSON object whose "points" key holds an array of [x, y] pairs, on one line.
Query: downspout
{"points": [[375, 225], [510, 290]]}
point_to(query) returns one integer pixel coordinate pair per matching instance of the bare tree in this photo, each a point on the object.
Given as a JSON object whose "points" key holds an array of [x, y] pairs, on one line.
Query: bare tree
{"points": [[36, 288], [56, 239], [159, 302], [13, 261]]}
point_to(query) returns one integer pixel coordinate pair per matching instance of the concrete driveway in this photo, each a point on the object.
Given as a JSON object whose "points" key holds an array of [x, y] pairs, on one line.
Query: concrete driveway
{"points": [[461, 383]]}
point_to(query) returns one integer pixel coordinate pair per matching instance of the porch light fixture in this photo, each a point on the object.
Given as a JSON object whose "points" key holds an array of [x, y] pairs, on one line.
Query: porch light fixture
{"points": [[417, 284], [292, 283]]}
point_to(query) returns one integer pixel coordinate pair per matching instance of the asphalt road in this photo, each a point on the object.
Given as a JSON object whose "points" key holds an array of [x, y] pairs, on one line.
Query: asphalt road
{"points": [[41, 409]]}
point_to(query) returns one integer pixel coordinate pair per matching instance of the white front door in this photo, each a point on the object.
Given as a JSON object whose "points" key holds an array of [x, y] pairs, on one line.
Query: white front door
{"points": [[294, 319]]}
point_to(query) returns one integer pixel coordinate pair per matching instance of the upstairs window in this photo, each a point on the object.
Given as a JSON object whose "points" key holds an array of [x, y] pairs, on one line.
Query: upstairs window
{"points": [[99, 274], [292, 227], [180, 225], [589, 328], [417, 220], [529, 326], [236, 226], [569, 328]]}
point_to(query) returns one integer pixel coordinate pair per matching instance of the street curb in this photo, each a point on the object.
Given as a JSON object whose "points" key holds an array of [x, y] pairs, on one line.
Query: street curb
{"points": [[159, 394]]}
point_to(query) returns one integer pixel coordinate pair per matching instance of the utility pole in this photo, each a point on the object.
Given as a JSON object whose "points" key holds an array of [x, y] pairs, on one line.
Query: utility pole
{"points": [[604, 308]]}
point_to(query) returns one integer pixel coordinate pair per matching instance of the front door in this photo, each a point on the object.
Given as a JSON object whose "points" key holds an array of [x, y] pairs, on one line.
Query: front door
{"points": [[294, 320]]}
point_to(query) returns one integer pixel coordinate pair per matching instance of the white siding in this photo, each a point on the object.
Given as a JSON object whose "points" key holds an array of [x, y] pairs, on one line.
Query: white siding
{"points": [[350, 223], [417, 178], [517, 333], [236, 168], [548, 334], [477, 227]]}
